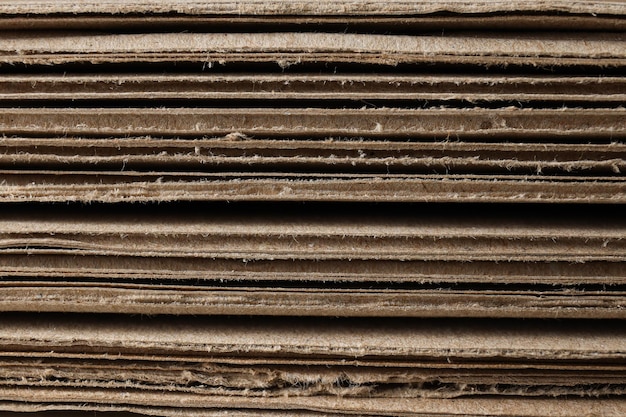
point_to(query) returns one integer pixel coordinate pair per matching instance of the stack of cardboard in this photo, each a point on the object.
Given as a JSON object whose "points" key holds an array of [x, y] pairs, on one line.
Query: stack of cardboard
{"points": [[312, 208]]}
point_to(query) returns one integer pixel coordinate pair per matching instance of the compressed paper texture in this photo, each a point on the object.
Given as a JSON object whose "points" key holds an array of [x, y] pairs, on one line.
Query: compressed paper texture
{"points": [[312, 208]]}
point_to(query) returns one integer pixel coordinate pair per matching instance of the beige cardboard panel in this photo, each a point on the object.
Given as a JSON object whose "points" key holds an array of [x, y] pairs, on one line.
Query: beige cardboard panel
{"points": [[434, 339], [513, 123], [312, 302], [291, 48], [310, 7], [311, 86], [22, 186]]}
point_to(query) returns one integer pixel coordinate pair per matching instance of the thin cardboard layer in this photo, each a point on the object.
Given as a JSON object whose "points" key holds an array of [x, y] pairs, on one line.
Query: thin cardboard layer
{"points": [[311, 87], [290, 236], [54, 186], [440, 341], [315, 23], [155, 299], [75, 267], [297, 157], [487, 124], [310, 7], [285, 49]]}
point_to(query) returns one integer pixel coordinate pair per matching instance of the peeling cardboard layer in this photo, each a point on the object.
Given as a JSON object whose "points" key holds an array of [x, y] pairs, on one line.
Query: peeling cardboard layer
{"points": [[285, 49]]}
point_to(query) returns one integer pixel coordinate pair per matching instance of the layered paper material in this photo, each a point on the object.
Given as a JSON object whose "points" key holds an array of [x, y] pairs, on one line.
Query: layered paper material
{"points": [[252, 366], [391, 264], [312, 208]]}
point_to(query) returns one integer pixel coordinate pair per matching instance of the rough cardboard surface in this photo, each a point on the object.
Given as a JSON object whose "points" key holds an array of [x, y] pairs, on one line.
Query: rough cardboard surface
{"points": [[310, 86], [273, 368], [442, 123], [286, 49], [303, 264], [312, 208], [253, 7]]}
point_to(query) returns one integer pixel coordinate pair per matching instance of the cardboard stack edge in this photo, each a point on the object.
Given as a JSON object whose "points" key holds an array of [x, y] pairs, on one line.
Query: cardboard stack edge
{"points": [[312, 208]]}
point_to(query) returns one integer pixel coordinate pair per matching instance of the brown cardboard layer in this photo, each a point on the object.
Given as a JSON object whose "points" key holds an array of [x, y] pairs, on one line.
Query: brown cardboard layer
{"points": [[77, 268], [289, 48], [298, 157], [312, 87], [358, 237], [506, 244], [566, 124], [309, 7], [65, 186], [358, 340], [313, 23], [78, 297]]}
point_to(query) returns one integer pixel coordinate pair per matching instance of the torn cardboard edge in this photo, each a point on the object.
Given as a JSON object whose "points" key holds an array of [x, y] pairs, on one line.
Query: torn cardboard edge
{"points": [[272, 381]]}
